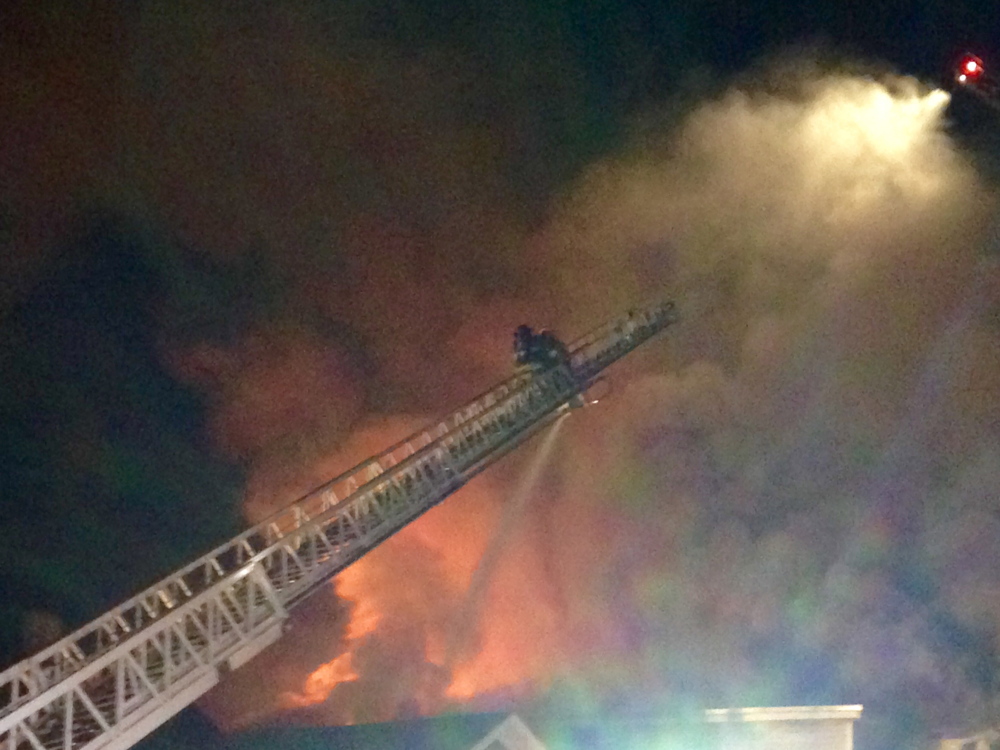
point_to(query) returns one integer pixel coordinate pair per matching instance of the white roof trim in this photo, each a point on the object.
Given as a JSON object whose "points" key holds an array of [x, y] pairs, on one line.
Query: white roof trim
{"points": [[784, 713], [512, 734]]}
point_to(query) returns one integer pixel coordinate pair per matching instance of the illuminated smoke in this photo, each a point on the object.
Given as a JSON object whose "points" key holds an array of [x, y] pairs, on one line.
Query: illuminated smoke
{"points": [[738, 523], [792, 499], [828, 407]]}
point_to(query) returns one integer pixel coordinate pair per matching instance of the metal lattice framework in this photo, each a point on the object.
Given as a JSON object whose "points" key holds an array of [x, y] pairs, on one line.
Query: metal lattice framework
{"points": [[113, 681]]}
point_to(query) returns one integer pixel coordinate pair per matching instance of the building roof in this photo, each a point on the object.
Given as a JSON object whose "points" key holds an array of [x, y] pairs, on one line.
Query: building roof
{"points": [[530, 731], [448, 732]]}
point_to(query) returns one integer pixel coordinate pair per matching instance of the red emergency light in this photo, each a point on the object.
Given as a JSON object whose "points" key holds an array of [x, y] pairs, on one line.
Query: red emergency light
{"points": [[970, 69]]}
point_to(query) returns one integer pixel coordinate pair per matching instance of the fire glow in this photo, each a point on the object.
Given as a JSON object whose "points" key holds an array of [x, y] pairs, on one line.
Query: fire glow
{"points": [[831, 212], [866, 141], [364, 619], [495, 643]]}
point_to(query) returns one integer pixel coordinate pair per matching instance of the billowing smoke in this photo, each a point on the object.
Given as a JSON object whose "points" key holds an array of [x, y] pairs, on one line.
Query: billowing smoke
{"points": [[791, 500]]}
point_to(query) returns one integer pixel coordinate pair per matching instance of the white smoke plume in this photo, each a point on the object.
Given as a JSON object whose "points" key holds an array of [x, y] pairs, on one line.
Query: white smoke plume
{"points": [[791, 500]]}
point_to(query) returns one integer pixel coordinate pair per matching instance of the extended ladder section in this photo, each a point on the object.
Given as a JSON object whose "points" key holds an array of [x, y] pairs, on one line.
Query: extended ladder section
{"points": [[113, 681]]}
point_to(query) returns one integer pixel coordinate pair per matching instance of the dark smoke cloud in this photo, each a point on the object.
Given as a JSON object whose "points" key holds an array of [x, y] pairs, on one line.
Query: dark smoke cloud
{"points": [[793, 501]]}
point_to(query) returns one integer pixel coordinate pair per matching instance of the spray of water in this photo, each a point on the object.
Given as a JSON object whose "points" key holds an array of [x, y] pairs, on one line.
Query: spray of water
{"points": [[836, 373], [462, 644]]}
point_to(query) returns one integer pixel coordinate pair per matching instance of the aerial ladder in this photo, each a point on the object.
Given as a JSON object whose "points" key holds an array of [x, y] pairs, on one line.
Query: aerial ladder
{"points": [[110, 683]]}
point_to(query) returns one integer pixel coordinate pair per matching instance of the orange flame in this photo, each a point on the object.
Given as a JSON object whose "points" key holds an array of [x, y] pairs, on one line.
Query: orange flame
{"points": [[514, 635], [321, 683], [365, 617]]}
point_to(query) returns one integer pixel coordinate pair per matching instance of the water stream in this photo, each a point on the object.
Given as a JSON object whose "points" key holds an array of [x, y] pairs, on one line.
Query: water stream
{"points": [[463, 638]]}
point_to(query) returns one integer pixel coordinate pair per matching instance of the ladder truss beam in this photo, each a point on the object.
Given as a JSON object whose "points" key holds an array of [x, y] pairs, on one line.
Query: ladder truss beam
{"points": [[114, 680]]}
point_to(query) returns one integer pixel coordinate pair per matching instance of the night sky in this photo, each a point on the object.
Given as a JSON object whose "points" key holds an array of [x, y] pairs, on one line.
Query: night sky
{"points": [[247, 244]]}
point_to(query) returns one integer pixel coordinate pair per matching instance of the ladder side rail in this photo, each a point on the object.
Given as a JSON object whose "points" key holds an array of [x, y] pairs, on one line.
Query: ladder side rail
{"points": [[106, 696], [659, 315], [361, 511], [70, 715], [333, 491], [63, 658], [405, 451], [66, 656], [458, 447], [427, 476], [602, 347], [663, 312], [434, 473], [343, 485]]}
